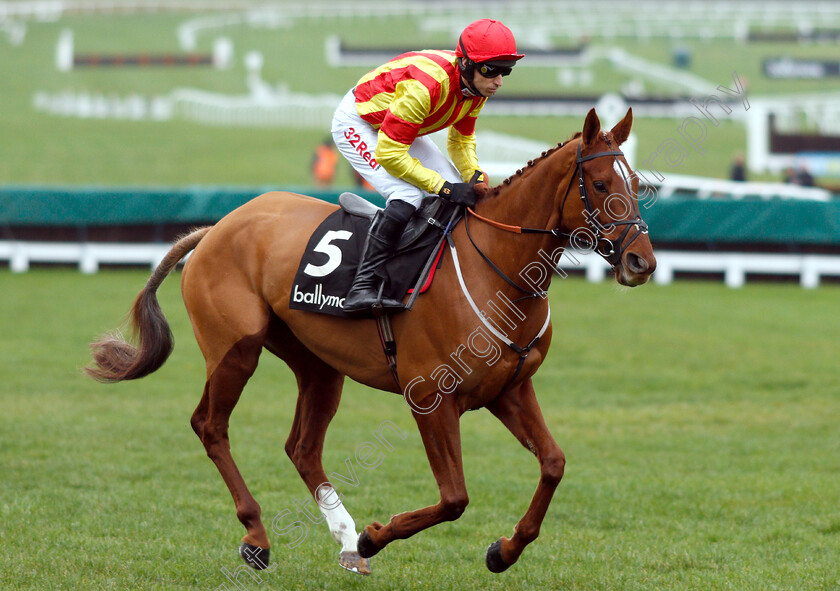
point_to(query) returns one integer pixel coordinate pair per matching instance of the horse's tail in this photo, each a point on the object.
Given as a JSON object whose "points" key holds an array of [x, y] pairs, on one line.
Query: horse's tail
{"points": [[114, 358]]}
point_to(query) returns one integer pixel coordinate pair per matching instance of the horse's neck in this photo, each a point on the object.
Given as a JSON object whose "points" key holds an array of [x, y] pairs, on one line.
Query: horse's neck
{"points": [[529, 200]]}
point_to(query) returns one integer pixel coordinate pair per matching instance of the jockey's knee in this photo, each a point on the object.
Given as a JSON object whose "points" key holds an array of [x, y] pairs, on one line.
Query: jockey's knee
{"points": [[399, 210], [409, 195]]}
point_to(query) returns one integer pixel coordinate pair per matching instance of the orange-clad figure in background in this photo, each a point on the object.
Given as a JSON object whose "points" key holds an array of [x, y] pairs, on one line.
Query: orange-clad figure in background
{"points": [[324, 163]]}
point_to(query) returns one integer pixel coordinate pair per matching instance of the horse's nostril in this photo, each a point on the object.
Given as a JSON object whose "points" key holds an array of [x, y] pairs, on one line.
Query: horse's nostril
{"points": [[635, 263]]}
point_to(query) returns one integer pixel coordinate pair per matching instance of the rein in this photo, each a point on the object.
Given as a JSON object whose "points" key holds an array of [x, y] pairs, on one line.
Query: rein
{"points": [[616, 247], [612, 256], [556, 232], [528, 293]]}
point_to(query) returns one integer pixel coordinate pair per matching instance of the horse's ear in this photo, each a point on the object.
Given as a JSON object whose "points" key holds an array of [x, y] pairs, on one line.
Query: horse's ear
{"points": [[621, 131], [591, 128]]}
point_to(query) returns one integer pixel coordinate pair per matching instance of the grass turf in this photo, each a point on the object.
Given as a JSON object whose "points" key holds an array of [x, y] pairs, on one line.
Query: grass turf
{"points": [[699, 422]]}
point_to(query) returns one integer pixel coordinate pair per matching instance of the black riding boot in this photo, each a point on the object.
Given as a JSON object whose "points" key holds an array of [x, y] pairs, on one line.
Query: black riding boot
{"points": [[383, 235]]}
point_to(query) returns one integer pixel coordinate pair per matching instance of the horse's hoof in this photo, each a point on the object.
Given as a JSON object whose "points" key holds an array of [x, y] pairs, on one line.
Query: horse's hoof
{"points": [[254, 556], [494, 558], [353, 562], [365, 546]]}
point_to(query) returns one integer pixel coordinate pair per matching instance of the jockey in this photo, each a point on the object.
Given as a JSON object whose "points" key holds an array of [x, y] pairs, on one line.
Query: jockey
{"points": [[381, 127]]}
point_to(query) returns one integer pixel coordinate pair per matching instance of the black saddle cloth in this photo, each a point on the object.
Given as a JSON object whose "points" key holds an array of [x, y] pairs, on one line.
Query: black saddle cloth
{"points": [[332, 255]]}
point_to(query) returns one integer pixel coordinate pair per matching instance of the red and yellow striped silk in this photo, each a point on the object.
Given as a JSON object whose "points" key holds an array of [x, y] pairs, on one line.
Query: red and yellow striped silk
{"points": [[416, 94]]}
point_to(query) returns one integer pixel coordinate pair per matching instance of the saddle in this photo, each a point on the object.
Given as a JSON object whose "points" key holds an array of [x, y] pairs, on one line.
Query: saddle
{"points": [[332, 255], [424, 220]]}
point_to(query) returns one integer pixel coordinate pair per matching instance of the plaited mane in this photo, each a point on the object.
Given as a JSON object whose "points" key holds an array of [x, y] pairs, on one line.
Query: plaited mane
{"points": [[531, 163]]}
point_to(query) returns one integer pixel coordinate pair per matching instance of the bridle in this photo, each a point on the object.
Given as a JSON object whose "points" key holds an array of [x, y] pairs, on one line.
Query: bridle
{"points": [[614, 248], [612, 255]]}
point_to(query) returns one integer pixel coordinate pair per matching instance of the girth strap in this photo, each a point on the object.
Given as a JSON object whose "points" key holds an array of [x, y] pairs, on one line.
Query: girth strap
{"points": [[383, 319], [389, 344]]}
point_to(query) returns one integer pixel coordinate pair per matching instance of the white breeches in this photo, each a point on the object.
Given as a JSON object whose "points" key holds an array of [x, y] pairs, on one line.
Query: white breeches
{"points": [[356, 140]]}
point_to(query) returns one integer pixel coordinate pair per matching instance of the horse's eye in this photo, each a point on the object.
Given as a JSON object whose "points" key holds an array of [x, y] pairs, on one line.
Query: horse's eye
{"points": [[600, 186]]}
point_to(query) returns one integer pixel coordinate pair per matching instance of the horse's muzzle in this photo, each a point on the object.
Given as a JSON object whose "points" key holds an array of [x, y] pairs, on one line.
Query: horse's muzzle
{"points": [[634, 269]]}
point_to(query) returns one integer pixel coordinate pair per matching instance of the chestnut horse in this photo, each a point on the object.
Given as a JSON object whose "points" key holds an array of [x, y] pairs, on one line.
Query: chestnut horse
{"points": [[237, 284]]}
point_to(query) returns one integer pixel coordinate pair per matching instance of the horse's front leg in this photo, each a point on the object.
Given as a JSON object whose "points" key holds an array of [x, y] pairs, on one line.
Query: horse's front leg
{"points": [[518, 410], [441, 435]]}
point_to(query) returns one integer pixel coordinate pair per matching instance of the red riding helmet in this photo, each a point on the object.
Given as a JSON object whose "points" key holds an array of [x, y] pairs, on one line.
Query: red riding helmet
{"points": [[487, 40]]}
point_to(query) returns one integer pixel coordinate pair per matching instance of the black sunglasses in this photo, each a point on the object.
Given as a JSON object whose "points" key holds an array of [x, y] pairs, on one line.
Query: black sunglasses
{"points": [[490, 71]]}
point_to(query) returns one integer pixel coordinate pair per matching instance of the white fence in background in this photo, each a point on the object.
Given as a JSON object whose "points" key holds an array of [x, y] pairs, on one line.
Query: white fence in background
{"points": [[87, 255], [542, 18], [276, 109], [706, 188], [734, 267]]}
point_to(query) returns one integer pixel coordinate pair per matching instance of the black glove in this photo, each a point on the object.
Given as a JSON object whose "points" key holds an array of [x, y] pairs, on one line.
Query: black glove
{"points": [[459, 193]]}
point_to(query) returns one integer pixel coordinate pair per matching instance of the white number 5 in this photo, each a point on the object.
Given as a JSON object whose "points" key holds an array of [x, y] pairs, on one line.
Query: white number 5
{"points": [[331, 250]]}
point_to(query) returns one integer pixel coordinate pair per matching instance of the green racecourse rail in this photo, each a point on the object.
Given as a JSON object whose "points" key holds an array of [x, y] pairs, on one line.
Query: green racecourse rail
{"points": [[673, 220]]}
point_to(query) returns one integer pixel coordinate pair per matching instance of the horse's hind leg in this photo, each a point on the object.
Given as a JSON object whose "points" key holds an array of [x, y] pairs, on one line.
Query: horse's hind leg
{"points": [[518, 410], [318, 398], [229, 367]]}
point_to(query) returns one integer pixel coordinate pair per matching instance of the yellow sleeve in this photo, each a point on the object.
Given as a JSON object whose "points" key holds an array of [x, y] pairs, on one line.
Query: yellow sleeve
{"points": [[462, 152]]}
